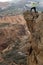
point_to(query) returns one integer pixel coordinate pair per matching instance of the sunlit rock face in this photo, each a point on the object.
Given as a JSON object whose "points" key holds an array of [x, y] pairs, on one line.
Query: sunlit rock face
{"points": [[14, 36], [39, 29], [39, 37], [35, 26], [21, 39], [12, 27]]}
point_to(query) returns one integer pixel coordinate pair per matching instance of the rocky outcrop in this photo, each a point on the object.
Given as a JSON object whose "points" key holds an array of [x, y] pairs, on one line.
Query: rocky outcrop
{"points": [[35, 26], [18, 19], [39, 30], [21, 39], [15, 27], [14, 35]]}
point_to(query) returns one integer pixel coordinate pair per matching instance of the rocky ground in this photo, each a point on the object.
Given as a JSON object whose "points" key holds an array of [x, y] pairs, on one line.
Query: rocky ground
{"points": [[21, 39]]}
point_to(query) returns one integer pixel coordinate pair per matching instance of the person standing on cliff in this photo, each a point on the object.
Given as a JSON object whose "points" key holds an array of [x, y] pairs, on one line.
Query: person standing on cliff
{"points": [[33, 6]]}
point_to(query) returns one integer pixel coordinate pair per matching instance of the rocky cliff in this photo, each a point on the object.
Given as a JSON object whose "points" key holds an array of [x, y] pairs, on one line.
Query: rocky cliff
{"points": [[35, 26], [21, 39]]}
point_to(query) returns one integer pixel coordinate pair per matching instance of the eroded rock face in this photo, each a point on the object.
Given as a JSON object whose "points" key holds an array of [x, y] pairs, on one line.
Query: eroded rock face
{"points": [[21, 39], [11, 31], [39, 30], [14, 35], [30, 20], [18, 19], [35, 26]]}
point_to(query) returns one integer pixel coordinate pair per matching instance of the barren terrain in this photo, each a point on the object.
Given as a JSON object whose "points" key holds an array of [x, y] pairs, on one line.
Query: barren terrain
{"points": [[21, 39]]}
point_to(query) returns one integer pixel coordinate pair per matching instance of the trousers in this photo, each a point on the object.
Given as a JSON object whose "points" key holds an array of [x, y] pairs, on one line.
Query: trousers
{"points": [[33, 8]]}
